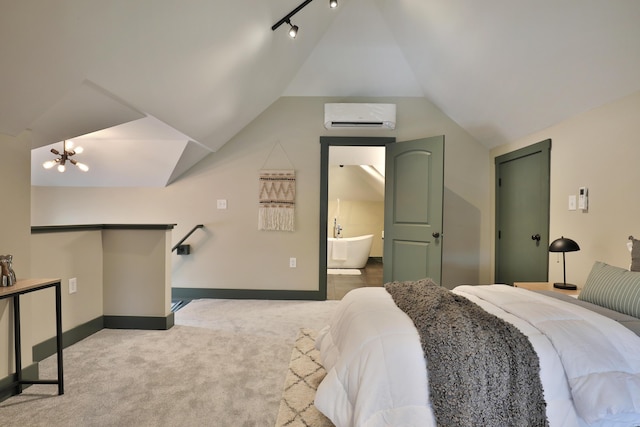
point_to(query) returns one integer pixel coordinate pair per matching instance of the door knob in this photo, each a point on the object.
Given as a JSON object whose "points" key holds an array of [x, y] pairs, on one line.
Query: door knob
{"points": [[535, 237], [435, 235]]}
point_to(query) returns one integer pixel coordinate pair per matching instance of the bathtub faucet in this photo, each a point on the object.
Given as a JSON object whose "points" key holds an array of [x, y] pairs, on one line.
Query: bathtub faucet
{"points": [[337, 228]]}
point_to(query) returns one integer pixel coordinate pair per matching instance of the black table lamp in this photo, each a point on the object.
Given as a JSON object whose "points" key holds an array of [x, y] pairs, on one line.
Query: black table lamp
{"points": [[563, 245]]}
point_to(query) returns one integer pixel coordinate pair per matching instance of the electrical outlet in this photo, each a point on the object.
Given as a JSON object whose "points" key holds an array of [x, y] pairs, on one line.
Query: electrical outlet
{"points": [[73, 285], [221, 203], [292, 262]]}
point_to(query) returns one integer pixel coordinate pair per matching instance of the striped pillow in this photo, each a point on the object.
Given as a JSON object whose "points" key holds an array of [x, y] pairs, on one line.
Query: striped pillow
{"points": [[614, 288]]}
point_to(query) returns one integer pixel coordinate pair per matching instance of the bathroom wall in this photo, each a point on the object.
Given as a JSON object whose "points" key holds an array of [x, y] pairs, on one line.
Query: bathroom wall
{"points": [[357, 201]]}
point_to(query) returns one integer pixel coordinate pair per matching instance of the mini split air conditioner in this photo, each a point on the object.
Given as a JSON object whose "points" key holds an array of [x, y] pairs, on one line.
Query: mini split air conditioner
{"points": [[360, 115]]}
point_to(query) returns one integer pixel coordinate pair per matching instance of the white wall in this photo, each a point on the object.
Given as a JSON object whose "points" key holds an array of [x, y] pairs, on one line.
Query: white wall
{"points": [[599, 149], [15, 230], [136, 273], [230, 252], [65, 255]]}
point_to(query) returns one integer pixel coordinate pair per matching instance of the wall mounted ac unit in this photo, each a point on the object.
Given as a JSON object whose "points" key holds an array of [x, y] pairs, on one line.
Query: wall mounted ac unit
{"points": [[360, 115]]}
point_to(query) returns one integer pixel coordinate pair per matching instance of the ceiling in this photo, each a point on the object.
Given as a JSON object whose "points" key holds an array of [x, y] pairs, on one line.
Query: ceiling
{"points": [[151, 87]]}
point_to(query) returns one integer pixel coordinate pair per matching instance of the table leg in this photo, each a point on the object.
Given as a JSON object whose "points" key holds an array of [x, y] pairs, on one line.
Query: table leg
{"points": [[59, 336], [17, 342]]}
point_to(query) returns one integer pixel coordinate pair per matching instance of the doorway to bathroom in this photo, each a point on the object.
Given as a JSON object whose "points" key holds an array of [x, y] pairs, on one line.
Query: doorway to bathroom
{"points": [[353, 207], [355, 212], [413, 210]]}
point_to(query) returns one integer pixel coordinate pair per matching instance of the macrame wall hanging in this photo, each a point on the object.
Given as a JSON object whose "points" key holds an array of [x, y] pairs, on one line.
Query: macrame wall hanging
{"points": [[277, 197]]}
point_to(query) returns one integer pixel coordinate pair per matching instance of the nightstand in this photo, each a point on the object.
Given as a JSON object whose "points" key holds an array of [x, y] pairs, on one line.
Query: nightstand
{"points": [[545, 286]]}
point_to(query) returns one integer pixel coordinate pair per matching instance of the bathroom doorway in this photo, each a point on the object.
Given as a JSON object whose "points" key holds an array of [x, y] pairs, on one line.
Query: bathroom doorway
{"points": [[352, 213]]}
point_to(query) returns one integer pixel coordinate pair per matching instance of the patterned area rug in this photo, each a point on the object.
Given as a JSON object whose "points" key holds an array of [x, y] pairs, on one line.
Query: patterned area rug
{"points": [[303, 378]]}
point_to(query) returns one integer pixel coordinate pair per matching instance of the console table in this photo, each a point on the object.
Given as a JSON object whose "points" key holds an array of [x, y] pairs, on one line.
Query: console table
{"points": [[23, 287]]}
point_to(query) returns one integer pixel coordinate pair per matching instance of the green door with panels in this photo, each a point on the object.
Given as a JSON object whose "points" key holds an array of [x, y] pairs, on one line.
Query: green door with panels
{"points": [[522, 214], [413, 210]]}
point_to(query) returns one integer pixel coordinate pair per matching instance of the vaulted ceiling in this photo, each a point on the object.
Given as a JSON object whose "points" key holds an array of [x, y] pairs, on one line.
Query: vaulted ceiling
{"points": [[151, 87]]}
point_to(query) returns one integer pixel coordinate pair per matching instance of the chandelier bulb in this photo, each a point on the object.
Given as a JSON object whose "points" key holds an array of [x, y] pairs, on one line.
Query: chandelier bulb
{"points": [[49, 164], [82, 167], [333, 4], [61, 168]]}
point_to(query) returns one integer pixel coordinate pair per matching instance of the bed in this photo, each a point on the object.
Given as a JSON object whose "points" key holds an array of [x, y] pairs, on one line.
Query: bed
{"points": [[386, 367]]}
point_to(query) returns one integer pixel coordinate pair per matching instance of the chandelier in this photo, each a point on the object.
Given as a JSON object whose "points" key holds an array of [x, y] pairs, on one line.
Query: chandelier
{"points": [[68, 150]]}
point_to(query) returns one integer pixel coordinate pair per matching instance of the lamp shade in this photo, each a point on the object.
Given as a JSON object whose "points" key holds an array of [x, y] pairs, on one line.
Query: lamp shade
{"points": [[564, 244]]}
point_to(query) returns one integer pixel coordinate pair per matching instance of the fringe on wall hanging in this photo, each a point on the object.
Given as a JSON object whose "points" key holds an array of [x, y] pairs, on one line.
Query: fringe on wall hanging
{"points": [[277, 195]]}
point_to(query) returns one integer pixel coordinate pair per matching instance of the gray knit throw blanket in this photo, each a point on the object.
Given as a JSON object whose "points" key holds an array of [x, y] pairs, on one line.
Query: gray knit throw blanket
{"points": [[482, 370]]}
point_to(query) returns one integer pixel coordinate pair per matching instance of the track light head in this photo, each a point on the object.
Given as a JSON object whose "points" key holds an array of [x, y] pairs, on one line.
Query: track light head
{"points": [[293, 31], [333, 4]]}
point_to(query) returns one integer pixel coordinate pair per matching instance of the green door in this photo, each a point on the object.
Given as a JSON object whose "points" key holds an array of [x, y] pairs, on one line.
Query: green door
{"points": [[522, 214], [413, 210]]}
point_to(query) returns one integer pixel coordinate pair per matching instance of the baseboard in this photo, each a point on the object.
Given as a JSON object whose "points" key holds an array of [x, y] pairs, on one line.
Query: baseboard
{"points": [[196, 293], [139, 322], [47, 348], [31, 372]]}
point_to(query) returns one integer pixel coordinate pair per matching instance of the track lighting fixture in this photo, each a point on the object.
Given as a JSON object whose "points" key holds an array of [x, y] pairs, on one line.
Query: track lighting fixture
{"points": [[67, 151], [293, 30]]}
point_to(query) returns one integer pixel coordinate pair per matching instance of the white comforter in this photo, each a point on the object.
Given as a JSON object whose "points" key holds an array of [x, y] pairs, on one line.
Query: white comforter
{"points": [[376, 373]]}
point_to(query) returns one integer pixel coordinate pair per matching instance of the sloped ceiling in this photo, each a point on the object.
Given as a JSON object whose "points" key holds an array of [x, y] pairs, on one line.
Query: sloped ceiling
{"points": [[166, 83]]}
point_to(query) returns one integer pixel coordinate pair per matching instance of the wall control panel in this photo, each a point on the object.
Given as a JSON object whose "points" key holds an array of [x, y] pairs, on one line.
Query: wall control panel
{"points": [[583, 198]]}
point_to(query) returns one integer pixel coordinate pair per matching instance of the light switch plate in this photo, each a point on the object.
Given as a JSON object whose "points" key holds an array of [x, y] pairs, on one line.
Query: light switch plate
{"points": [[572, 202], [222, 204]]}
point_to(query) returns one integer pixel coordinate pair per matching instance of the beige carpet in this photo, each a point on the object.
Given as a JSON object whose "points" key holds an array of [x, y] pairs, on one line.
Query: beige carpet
{"points": [[304, 375], [223, 365]]}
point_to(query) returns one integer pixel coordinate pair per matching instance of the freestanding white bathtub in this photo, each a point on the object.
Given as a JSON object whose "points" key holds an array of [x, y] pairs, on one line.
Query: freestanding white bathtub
{"points": [[348, 252]]}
